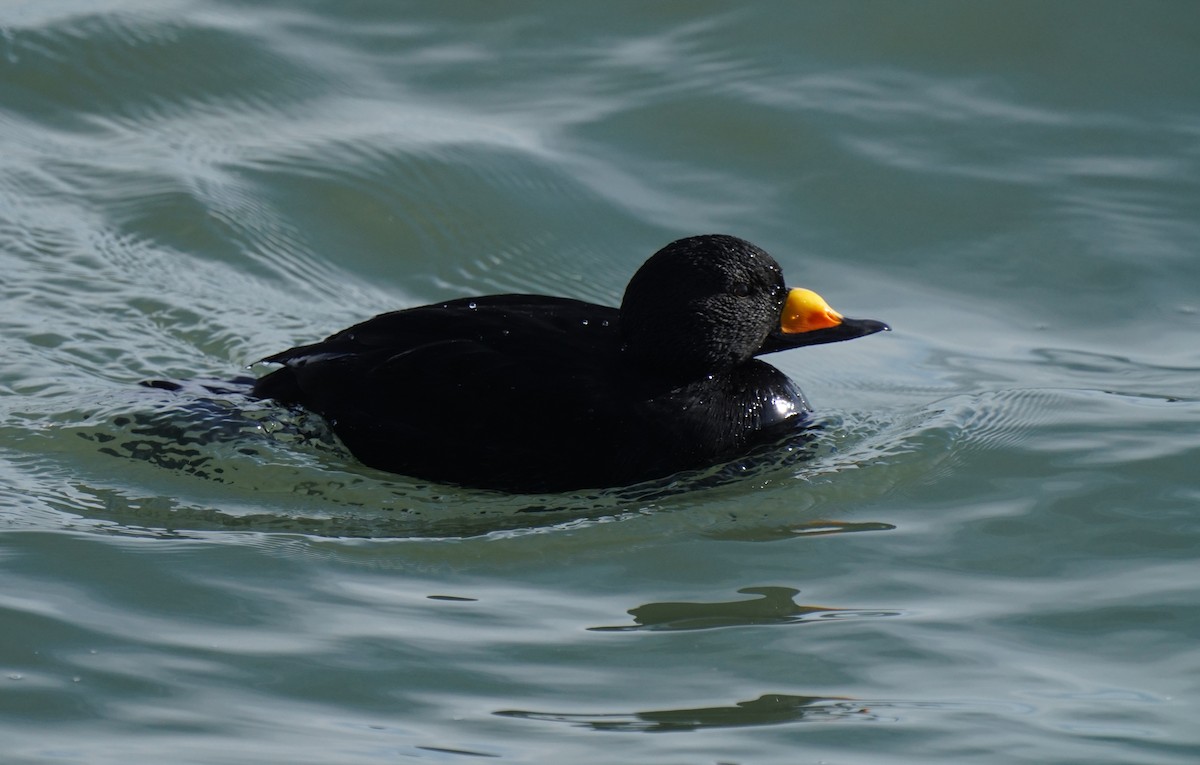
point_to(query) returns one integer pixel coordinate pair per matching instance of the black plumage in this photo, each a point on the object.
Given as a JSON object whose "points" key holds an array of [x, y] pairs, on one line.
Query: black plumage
{"points": [[533, 393]]}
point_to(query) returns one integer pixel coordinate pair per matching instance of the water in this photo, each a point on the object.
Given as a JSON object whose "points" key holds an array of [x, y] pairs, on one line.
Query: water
{"points": [[990, 558]]}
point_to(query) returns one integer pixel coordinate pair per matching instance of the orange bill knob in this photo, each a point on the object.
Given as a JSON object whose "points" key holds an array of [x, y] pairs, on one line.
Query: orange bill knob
{"points": [[805, 311]]}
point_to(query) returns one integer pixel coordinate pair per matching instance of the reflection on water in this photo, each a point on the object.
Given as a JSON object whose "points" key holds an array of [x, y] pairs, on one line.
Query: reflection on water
{"points": [[769, 709], [779, 709], [776, 606]]}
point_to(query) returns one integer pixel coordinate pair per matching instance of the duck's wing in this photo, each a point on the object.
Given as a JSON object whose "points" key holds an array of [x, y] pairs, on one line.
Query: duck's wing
{"points": [[480, 387], [521, 325], [466, 318]]}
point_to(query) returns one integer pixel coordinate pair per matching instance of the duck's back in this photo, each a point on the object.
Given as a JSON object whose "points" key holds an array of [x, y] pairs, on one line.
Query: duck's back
{"points": [[517, 392]]}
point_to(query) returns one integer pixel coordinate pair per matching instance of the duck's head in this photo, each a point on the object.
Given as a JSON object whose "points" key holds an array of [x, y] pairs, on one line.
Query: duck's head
{"points": [[707, 303]]}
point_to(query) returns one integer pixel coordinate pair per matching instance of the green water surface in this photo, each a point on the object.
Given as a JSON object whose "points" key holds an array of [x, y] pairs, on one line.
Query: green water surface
{"points": [[990, 558]]}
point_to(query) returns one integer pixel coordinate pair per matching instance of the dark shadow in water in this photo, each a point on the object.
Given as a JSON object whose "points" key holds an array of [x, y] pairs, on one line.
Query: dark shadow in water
{"points": [[776, 606], [769, 709]]}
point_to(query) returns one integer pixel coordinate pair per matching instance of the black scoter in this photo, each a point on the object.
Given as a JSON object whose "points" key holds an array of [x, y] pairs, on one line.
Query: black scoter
{"points": [[527, 393]]}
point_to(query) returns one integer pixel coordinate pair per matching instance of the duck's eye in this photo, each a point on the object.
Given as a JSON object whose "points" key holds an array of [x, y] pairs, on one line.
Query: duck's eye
{"points": [[741, 289]]}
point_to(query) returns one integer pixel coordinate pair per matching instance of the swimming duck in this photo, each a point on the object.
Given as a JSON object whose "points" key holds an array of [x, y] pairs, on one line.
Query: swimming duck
{"points": [[526, 393]]}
